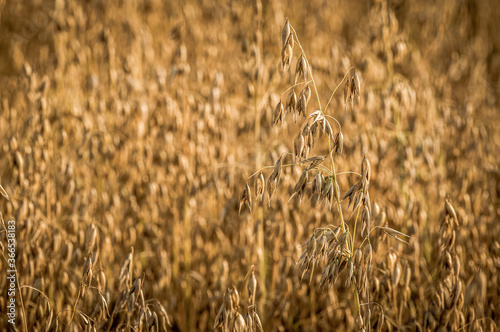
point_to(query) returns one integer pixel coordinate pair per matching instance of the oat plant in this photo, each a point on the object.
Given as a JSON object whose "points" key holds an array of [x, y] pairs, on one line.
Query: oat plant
{"points": [[335, 246], [229, 318]]}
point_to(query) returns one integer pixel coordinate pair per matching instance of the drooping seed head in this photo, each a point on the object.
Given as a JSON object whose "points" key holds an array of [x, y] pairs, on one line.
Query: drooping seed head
{"points": [[357, 84], [307, 93], [286, 56], [90, 239], [228, 300], [249, 321], [328, 129], [235, 296], [273, 180], [407, 276], [302, 106], [299, 145], [285, 34], [246, 198], [365, 174], [278, 113], [396, 275], [259, 187], [358, 256], [366, 220], [347, 93], [368, 255], [306, 132], [87, 268], [291, 104], [338, 145], [350, 273], [328, 191], [301, 69], [257, 322], [311, 246], [300, 186], [318, 184], [252, 286]]}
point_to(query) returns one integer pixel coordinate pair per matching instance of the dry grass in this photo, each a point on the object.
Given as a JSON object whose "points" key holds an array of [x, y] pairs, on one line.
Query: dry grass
{"points": [[129, 130]]}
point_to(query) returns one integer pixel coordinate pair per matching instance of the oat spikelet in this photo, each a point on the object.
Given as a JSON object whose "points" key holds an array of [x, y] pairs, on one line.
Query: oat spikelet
{"points": [[126, 269], [278, 113], [301, 69], [352, 88], [239, 324], [4, 192], [298, 147], [252, 286], [291, 104], [257, 322], [338, 145], [327, 194], [366, 171], [273, 180], [246, 198], [450, 211], [285, 34], [259, 187], [307, 93], [300, 186], [366, 220], [90, 239], [87, 269], [317, 187], [328, 129], [357, 84], [286, 56], [249, 321]]}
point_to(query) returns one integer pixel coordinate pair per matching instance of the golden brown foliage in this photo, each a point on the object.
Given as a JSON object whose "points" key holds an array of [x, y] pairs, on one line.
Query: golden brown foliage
{"points": [[129, 128]]}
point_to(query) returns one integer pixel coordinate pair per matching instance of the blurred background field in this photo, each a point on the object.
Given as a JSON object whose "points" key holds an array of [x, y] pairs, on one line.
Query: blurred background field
{"points": [[129, 128]]}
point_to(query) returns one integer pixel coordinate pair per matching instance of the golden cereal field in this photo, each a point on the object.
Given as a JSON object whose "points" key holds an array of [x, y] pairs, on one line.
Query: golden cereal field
{"points": [[251, 165]]}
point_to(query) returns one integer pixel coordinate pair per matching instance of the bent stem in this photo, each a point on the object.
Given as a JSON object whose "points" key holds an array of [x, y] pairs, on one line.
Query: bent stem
{"points": [[355, 225], [338, 85], [74, 307]]}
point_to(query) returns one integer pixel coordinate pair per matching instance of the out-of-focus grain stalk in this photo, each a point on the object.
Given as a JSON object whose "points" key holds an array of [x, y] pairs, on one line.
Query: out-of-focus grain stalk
{"points": [[387, 41], [48, 187], [175, 247], [259, 218], [390, 81], [355, 226], [400, 144], [190, 319]]}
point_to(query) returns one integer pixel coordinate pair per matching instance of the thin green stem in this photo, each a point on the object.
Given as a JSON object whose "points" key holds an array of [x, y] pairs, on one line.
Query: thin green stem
{"points": [[323, 168], [349, 173], [293, 86], [334, 177], [356, 299], [338, 85], [355, 225], [287, 165], [39, 291], [76, 304], [337, 194], [329, 116]]}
